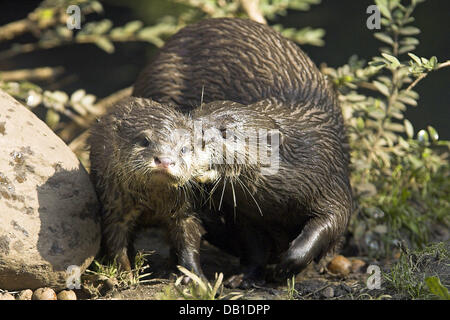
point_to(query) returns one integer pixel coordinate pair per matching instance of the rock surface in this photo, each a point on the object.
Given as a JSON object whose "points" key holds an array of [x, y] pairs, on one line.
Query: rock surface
{"points": [[44, 294], [67, 295], [6, 296], [48, 208], [25, 295]]}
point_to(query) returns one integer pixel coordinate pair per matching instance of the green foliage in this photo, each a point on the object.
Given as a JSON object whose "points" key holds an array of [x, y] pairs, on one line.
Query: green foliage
{"points": [[75, 107], [435, 286], [124, 279], [401, 182], [291, 292], [197, 288], [416, 272]]}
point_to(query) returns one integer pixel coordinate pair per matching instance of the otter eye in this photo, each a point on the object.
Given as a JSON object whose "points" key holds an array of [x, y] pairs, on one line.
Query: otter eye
{"points": [[184, 149], [223, 131], [143, 142]]}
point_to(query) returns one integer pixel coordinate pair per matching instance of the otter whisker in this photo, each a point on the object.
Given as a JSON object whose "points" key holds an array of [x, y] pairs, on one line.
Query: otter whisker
{"points": [[213, 189], [223, 191], [234, 194], [248, 191]]}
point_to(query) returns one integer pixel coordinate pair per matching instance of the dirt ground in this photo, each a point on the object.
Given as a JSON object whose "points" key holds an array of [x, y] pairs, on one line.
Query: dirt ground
{"points": [[315, 282]]}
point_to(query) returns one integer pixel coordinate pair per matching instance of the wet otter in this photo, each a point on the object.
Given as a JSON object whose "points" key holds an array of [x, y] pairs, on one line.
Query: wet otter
{"points": [[231, 59], [306, 205], [289, 210], [141, 162]]}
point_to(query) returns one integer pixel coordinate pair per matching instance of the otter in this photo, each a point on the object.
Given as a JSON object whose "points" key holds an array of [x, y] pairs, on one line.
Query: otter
{"points": [[231, 59], [287, 211], [141, 155], [298, 213]]}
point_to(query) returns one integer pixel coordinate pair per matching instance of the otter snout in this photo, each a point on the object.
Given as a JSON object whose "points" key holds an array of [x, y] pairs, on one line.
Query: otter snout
{"points": [[164, 162]]}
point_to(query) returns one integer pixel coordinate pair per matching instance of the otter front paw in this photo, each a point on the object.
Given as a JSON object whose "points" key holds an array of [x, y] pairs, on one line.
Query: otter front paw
{"points": [[290, 265]]}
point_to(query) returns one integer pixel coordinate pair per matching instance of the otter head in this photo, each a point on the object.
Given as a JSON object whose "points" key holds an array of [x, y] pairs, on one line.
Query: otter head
{"points": [[235, 140], [154, 144]]}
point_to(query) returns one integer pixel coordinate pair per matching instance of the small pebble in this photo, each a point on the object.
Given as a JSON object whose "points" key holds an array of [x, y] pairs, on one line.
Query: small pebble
{"points": [[357, 265], [44, 294], [328, 292], [67, 295], [340, 265], [25, 294], [6, 296]]}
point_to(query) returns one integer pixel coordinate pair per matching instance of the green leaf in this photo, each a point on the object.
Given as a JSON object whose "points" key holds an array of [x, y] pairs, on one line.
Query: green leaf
{"points": [[393, 60], [415, 58], [383, 37], [433, 62], [409, 31], [360, 123], [384, 11], [436, 287], [382, 88], [133, 26], [52, 118], [408, 100], [405, 49], [408, 128], [433, 133], [424, 60], [104, 44], [396, 127]]}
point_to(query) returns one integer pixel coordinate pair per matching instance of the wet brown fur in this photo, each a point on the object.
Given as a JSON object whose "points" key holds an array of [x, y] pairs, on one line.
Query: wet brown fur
{"points": [[306, 205], [130, 194]]}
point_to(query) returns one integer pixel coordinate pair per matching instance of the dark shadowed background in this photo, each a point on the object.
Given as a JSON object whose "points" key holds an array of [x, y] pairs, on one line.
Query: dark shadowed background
{"points": [[100, 73]]}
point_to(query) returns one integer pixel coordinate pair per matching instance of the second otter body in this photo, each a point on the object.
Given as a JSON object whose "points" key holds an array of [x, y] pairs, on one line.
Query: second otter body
{"points": [[288, 209], [297, 214]]}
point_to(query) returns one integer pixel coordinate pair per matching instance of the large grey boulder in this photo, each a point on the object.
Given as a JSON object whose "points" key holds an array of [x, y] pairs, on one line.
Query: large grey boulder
{"points": [[48, 207]]}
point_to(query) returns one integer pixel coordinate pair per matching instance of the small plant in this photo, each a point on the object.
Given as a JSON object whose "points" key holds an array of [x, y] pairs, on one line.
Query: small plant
{"points": [[291, 292], [198, 289], [417, 273], [124, 279]]}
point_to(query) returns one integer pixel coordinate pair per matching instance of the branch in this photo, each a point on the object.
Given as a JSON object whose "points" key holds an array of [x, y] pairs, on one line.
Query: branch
{"points": [[43, 73], [424, 75], [49, 44], [78, 144]]}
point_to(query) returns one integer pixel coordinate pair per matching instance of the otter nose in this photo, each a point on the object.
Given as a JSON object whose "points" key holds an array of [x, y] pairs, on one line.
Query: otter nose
{"points": [[164, 162]]}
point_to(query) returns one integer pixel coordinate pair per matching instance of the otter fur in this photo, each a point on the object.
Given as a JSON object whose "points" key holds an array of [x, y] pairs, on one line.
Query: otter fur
{"points": [[141, 157], [297, 214], [287, 211]]}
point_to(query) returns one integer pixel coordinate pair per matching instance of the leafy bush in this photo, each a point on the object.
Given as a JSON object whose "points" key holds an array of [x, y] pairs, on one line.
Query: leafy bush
{"points": [[401, 182], [417, 273]]}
